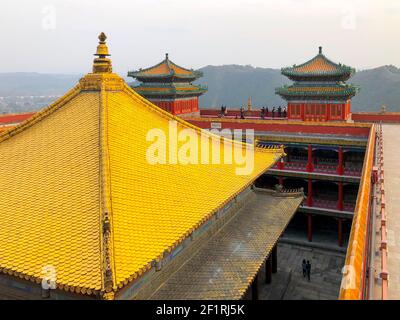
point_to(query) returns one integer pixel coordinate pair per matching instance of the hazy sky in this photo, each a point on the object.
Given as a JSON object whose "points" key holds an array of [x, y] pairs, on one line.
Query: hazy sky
{"points": [[61, 35]]}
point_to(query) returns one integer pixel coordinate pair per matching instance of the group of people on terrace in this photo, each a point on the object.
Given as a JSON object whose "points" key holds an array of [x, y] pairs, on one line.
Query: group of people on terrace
{"points": [[265, 112], [275, 112]]}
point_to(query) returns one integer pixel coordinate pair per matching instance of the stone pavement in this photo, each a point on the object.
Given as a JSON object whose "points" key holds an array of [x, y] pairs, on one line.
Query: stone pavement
{"points": [[323, 237], [289, 284], [391, 158]]}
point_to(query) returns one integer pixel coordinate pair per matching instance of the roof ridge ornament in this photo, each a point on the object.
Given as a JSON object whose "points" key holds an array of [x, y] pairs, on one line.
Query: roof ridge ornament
{"points": [[102, 77], [102, 64], [320, 49]]}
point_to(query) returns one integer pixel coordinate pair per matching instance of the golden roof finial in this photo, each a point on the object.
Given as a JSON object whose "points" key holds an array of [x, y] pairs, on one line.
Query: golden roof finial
{"points": [[102, 37], [249, 104], [102, 64]]}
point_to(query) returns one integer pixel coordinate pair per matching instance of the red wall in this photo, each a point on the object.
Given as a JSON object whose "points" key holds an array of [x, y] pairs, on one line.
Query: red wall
{"points": [[269, 126], [15, 118], [179, 106], [319, 111], [376, 117]]}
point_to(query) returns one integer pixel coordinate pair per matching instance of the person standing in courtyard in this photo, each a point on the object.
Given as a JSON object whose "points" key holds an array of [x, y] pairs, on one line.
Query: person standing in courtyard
{"points": [[303, 265], [308, 270]]}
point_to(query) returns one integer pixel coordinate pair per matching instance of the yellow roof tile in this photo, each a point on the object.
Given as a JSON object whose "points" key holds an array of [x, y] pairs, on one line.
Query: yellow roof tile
{"points": [[320, 63], [49, 195], [165, 67], [77, 192]]}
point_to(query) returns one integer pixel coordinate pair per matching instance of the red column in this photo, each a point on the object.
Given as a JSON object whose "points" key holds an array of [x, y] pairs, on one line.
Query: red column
{"points": [[310, 165], [302, 111], [340, 232], [340, 168], [281, 164], [340, 196], [343, 111], [309, 228], [280, 179], [310, 194], [196, 104], [328, 112], [172, 107]]}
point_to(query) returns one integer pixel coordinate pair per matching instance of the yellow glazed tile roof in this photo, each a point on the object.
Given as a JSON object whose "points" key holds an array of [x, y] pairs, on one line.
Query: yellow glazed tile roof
{"points": [[162, 68], [49, 195], [165, 67], [78, 194], [317, 64]]}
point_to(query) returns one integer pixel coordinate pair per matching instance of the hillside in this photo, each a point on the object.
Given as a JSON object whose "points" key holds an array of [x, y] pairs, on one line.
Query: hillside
{"points": [[35, 84], [379, 86], [230, 85]]}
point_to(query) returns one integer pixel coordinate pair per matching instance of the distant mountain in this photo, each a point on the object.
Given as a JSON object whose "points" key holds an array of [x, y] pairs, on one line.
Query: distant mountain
{"points": [[35, 84], [230, 85], [379, 86]]}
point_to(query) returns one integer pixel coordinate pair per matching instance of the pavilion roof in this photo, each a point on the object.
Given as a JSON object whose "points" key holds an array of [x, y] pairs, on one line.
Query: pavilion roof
{"points": [[319, 66], [165, 68], [78, 194]]}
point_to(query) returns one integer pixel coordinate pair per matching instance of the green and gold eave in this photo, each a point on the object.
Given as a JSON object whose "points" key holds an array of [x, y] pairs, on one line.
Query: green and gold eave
{"points": [[171, 91], [342, 73], [169, 76], [293, 92]]}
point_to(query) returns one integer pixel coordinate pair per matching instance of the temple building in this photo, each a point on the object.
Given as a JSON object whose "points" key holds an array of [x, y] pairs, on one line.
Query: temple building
{"points": [[339, 165], [170, 87], [86, 215], [319, 92], [150, 232]]}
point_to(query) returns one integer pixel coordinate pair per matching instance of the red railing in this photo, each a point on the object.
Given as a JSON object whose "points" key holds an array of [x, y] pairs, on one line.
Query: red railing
{"points": [[330, 204], [384, 254], [352, 171], [349, 207], [320, 168], [294, 166], [323, 203], [301, 166]]}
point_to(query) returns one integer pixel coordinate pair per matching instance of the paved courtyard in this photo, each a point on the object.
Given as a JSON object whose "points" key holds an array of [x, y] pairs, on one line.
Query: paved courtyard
{"points": [[289, 284], [391, 156]]}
